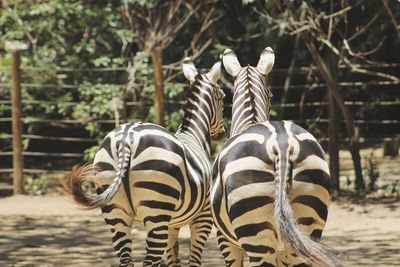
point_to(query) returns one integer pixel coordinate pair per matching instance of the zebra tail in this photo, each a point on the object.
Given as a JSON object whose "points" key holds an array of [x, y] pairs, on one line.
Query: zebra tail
{"points": [[303, 245], [73, 184]]}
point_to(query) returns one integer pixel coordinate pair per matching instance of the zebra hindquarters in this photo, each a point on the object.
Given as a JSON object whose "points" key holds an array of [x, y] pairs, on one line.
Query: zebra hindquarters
{"points": [[251, 212], [118, 213], [309, 197], [250, 198], [156, 196], [119, 217]]}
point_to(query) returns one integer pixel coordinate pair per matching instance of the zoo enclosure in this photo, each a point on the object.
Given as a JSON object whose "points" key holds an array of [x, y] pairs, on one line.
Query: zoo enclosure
{"points": [[60, 143]]}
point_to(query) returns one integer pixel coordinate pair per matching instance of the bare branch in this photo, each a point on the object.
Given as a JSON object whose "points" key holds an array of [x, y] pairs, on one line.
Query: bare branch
{"points": [[194, 50], [358, 69], [338, 13], [179, 25], [393, 18], [363, 29], [172, 12], [363, 54]]}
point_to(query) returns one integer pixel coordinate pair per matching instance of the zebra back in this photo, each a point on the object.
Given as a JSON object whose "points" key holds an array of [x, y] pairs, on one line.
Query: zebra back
{"points": [[202, 119], [262, 152]]}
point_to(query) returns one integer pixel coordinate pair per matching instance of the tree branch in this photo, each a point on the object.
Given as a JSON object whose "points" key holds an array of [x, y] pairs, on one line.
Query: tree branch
{"points": [[393, 18]]}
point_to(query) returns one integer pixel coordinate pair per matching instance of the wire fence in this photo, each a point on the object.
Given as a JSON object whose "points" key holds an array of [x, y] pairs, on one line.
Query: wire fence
{"points": [[383, 126]]}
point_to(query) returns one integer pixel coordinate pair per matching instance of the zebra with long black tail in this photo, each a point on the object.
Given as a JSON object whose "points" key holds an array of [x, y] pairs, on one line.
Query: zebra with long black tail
{"points": [[271, 182], [146, 174]]}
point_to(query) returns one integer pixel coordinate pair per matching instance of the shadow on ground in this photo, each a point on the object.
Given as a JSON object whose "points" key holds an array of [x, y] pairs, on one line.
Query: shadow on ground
{"points": [[72, 241], [85, 241]]}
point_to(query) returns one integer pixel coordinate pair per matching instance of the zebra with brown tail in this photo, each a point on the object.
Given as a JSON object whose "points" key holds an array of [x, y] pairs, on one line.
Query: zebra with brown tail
{"points": [[144, 173]]}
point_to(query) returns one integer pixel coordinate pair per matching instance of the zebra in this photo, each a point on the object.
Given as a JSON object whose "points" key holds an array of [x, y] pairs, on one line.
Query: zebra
{"points": [[271, 182], [145, 174]]}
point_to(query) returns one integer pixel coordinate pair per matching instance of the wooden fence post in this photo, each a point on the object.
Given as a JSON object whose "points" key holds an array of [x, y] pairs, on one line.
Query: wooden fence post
{"points": [[18, 163]]}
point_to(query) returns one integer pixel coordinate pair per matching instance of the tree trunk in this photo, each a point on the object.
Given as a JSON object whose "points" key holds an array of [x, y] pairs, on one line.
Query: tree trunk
{"points": [[333, 145], [333, 89], [333, 128], [156, 55]]}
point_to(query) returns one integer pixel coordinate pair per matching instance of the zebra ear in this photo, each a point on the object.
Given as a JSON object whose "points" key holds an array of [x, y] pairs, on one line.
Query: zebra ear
{"points": [[189, 70], [215, 72], [231, 63], [266, 61]]}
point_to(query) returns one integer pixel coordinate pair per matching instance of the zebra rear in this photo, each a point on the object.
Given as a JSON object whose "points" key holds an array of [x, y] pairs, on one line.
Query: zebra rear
{"points": [[146, 174], [271, 181]]}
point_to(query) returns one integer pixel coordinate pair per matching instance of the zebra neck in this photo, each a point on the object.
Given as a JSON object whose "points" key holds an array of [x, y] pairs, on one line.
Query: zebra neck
{"points": [[250, 102], [195, 128]]}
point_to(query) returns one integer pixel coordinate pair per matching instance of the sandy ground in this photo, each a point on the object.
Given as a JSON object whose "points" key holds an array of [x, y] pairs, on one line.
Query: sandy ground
{"points": [[52, 231]]}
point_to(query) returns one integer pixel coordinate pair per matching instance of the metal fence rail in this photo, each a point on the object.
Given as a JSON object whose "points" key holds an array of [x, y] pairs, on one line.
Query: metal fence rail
{"points": [[87, 141]]}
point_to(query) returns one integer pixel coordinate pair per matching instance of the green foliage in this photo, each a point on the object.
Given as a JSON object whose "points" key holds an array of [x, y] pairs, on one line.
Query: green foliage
{"points": [[173, 119], [60, 33], [394, 187], [98, 101], [36, 186], [143, 77], [90, 153], [372, 172], [96, 34], [217, 50], [68, 33]]}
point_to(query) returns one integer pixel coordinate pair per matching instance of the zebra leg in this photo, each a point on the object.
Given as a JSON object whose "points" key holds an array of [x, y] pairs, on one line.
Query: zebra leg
{"points": [[120, 222], [157, 239], [173, 248], [200, 229], [261, 248], [233, 255]]}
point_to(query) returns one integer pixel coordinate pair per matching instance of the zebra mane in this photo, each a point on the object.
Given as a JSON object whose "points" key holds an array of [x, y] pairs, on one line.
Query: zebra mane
{"points": [[188, 107], [249, 88], [251, 77]]}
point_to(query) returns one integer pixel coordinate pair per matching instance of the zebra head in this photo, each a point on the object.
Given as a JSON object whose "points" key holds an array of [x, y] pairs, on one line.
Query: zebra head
{"points": [[251, 93], [204, 88]]}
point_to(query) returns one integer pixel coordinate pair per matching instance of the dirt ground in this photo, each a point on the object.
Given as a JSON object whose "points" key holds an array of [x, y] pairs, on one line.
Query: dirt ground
{"points": [[52, 231]]}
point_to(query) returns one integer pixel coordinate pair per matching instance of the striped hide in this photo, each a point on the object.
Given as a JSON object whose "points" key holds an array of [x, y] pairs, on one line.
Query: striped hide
{"points": [[271, 181], [148, 175]]}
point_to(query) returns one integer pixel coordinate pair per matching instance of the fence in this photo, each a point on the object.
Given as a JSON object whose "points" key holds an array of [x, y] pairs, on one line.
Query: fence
{"points": [[308, 107]]}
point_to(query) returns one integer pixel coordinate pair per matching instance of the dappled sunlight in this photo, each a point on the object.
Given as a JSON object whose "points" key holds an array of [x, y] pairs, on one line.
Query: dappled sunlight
{"points": [[364, 234]]}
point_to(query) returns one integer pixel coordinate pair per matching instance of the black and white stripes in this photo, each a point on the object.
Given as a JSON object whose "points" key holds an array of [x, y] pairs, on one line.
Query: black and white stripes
{"points": [[250, 103], [270, 184], [146, 174], [271, 181]]}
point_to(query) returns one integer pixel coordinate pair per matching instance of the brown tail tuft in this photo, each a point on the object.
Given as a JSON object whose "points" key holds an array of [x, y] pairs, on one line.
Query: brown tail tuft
{"points": [[72, 185]]}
